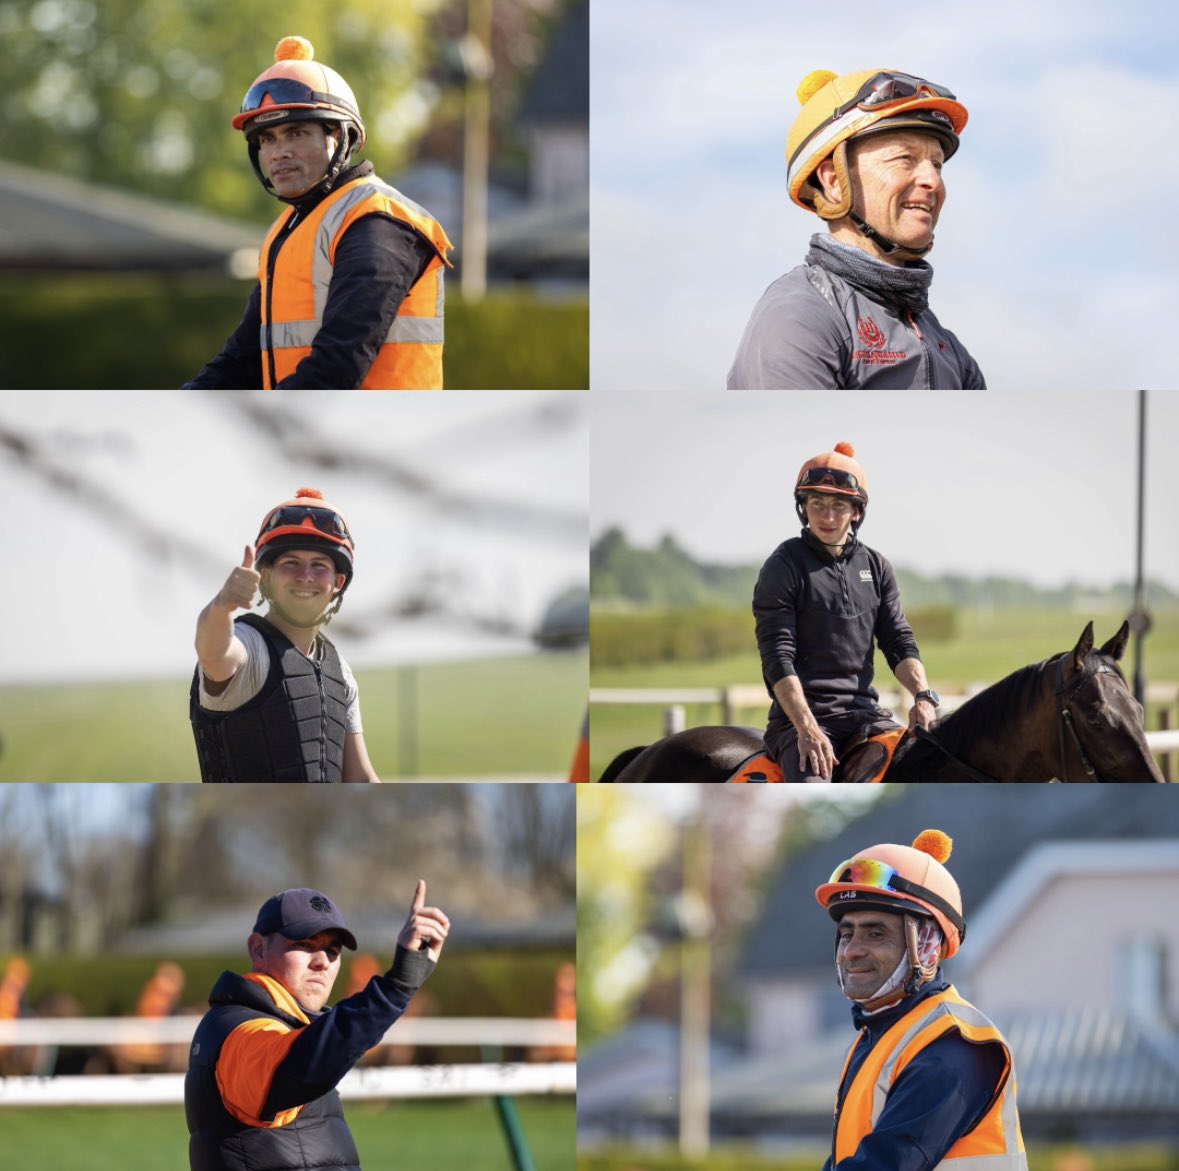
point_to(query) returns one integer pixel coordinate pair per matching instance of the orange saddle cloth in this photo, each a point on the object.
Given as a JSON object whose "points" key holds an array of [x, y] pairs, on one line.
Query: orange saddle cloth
{"points": [[864, 763]]}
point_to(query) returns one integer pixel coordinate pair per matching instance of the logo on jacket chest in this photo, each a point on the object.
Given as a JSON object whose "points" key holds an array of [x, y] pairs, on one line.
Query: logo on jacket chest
{"points": [[872, 338], [865, 575]]}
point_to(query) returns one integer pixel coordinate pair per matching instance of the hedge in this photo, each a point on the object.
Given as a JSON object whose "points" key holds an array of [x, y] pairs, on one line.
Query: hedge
{"points": [[105, 331]]}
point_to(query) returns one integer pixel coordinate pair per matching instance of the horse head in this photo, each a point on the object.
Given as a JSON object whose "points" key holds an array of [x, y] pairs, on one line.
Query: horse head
{"points": [[1100, 726]]}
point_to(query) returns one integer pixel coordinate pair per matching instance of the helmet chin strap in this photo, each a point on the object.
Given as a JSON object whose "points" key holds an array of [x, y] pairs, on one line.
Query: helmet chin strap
{"points": [[887, 246], [828, 210], [910, 973], [339, 161]]}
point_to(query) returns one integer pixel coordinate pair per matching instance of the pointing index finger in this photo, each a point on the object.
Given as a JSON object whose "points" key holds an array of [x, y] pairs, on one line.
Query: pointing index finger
{"points": [[419, 897]]}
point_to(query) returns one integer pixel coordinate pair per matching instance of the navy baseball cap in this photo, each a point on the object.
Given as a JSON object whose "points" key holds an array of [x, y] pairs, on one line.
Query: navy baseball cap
{"points": [[301, 913]]}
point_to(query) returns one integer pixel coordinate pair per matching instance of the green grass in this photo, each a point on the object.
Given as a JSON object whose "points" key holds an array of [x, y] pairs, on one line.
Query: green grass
{"points": [[734, 1157], [443, 1134], [487, 717], [987, 647]]}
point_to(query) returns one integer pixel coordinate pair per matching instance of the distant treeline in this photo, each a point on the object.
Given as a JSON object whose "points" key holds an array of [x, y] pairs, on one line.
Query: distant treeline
{"points": [[667, 577]]}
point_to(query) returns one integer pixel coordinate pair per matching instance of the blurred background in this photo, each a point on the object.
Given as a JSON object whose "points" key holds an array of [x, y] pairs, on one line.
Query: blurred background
{"points": [[125, 903], [466, 622], [1010, 521], [132, 217], [711, 1026], [1046, 274]]}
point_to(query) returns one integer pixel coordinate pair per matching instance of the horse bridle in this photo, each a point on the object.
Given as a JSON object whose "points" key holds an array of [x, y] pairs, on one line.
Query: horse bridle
{"points": [[1064, 720]]}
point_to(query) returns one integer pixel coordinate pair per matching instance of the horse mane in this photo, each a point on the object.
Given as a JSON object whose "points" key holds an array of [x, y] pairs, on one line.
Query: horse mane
{"points": [[985, 714], [993, 709]]}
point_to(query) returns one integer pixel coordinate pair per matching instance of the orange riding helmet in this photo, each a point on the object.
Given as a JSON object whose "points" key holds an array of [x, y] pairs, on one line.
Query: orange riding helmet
{"points": [[835, 473], [307, 521], [297, 88], [900, 879]]}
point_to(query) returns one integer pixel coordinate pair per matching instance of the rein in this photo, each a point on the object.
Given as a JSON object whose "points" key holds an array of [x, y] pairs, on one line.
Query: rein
{"points": [[1064, 720]]}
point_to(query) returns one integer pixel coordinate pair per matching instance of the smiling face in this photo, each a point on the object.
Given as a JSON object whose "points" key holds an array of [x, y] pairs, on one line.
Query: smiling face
{"points": [[306, 968], [897, 189], [300, 585], [870, 945], [295, 156]]}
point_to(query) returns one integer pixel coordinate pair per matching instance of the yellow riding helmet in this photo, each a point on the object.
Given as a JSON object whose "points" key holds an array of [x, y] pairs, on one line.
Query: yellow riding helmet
{"points": [[897, 879], [836, 109]]}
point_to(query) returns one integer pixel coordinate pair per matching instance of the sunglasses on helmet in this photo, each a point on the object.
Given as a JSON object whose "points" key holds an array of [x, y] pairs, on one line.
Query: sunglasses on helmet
{"points": [[324, 520], [285, 91], [833, 477], [886, 89], [881, 876]]}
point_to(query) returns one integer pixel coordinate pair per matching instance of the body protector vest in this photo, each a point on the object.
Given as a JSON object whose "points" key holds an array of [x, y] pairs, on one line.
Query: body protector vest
{"points": [[994, 1144], [294, 289], [304, 1138], [292, 730]]}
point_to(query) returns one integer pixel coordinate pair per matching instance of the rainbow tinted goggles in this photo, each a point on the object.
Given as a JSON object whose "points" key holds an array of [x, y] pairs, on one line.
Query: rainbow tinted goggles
{"points": [[890, 89], [294, 516], [832, 477], [868, 872]]}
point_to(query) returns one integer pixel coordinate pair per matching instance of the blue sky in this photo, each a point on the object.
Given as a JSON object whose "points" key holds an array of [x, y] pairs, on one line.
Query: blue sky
{"points": [[1053, 261]]}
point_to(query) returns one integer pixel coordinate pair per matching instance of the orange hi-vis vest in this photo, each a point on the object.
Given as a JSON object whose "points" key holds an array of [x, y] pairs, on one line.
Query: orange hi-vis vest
{"points": [[994, 1144], [295, 293]]}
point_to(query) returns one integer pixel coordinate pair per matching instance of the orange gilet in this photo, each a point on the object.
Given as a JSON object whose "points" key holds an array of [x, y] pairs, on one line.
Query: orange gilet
{"points": [[294, 296], [995, 1144]]}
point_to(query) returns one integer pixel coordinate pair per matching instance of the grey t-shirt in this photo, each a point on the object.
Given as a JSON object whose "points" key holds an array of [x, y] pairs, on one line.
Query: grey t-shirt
{"points": [[252, 675]]}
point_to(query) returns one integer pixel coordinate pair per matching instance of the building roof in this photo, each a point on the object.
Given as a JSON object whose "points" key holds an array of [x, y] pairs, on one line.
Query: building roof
{"points": [[51, 222], [559, 89], [993, 827]]}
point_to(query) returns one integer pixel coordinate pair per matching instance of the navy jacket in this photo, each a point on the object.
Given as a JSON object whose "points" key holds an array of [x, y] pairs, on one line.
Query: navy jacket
{"points": [[377, 261], [941, 1094]]}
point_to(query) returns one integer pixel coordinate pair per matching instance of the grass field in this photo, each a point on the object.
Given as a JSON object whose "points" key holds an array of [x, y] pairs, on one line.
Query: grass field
{"points": [[987, 647], [444, 1136], [479, 719]]}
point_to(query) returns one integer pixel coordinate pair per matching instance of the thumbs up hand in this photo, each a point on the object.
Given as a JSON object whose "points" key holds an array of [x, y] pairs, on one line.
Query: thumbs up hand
{"points": [[241, 585]]}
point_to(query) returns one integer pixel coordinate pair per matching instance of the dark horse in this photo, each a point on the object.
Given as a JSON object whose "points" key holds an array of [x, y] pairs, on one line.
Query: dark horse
{"points": [[1068, 718]]}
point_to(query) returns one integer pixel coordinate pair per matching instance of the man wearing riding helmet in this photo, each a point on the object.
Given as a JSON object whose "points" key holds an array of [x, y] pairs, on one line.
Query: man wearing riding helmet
{"points": [[864, 154], [349, 287], [821, 601], [929, 1080], [271, 698]]}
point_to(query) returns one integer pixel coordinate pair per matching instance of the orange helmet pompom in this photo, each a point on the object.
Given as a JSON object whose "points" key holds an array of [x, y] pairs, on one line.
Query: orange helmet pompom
{"points": [[935, 843], [294, 49], [846, 449]]}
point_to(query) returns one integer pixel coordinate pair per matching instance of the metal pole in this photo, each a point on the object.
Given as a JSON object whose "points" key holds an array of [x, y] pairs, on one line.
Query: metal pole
{"points": [[476, 150], [695, 990], [1140, 619], [509, 1119]]}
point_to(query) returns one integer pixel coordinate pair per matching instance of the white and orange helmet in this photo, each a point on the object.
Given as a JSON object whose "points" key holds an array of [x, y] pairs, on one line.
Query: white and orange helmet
{"points": [[835, 473], [297, 88], [307, 521], [900, 880]]}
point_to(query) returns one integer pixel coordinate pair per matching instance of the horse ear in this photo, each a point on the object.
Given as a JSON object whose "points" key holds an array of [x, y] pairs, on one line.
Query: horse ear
{"points": [[1116, 646], [1083, 647]]}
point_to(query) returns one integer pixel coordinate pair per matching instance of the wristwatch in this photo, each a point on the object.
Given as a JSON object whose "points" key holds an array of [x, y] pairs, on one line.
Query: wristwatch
{"points": [[930, 696]]}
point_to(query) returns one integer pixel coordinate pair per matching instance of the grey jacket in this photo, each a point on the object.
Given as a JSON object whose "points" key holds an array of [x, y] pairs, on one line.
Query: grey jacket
{"points": [[813, 330]]}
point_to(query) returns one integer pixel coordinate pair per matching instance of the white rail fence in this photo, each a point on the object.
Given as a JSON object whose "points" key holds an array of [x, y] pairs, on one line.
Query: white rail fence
{"points": [[420, 1081], [744, 698]]}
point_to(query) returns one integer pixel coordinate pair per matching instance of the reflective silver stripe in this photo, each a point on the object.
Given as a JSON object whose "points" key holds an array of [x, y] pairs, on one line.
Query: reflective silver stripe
{"points": [[425, 331], [287, 335], [329, 225], [441, 292], [1015, 1162], [820, 141], [421, 330], [1008, 1113]]}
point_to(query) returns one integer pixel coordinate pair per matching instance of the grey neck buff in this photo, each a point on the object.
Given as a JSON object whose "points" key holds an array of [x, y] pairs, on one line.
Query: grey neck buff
{"points": [[903, 285]]}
